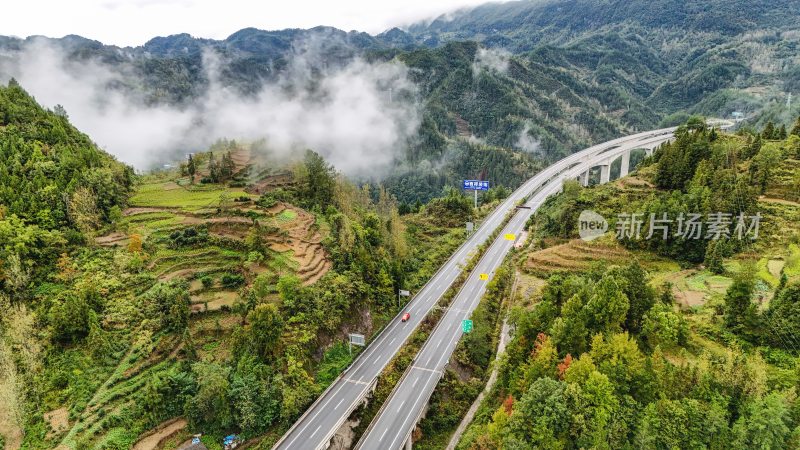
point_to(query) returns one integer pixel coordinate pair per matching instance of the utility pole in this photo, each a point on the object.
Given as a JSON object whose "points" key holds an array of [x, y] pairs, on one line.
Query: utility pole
{"points": [[476, 199]]}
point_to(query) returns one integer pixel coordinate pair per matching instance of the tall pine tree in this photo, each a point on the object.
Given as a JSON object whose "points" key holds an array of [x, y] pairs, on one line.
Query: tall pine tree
{"points": [[740, 311], [796, 129], [213, 168], [191, 168]]}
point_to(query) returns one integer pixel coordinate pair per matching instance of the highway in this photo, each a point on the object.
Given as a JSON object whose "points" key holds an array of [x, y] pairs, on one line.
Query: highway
{"points": [[391, 428], [393, 425]]}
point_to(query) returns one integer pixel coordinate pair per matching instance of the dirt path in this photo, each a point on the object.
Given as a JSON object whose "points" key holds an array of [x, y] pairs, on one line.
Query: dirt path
{"points": [[227, 219], [221, 300], [58, 420], [144, 209], [111, 239], [778, 200], [151, 442], [685, 298], [11, 433]]}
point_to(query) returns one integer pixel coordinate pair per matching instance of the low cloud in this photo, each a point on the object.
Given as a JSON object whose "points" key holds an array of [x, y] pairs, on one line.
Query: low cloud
{"points": [[491, 59], [359, 116], [528, 143]]}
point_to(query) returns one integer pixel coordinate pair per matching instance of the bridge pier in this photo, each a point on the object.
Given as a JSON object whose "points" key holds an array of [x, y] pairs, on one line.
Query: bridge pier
{"points": [[625, 166], [605, 172], [585, 178]]}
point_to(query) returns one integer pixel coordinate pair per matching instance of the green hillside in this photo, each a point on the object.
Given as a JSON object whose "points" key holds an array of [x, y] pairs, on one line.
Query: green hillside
{"points": [[54, 183], [215, 294], [213, 298], [710, 57]]}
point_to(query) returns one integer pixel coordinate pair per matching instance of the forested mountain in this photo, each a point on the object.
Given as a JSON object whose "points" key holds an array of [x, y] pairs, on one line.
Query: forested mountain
{"points": [[547, 77], [46, 165], [522, 25], [712, 57], [170, 69], [54, 184]]}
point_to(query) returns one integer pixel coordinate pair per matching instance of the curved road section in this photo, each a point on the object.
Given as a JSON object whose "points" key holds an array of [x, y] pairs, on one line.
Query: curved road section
{"points": [[392, 427]]}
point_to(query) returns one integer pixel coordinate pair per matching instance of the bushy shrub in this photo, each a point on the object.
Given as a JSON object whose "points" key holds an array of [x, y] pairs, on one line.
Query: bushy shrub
{"points": [[267, 201], [207, 282], [188, 237], [232, 280]]}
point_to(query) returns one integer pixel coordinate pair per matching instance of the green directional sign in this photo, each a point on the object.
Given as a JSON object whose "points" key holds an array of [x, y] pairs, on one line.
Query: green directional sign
{"points": [[466, 325]]}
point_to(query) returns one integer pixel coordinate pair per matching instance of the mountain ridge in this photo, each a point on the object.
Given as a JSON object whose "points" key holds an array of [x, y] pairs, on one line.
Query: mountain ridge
{"points": [[565, 64]]}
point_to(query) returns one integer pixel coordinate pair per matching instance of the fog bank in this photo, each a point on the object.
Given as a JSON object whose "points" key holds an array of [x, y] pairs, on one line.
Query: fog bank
{"points": [[359, 116]]}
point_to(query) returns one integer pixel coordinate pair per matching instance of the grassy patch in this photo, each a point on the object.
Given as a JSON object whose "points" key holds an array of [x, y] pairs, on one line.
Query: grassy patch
{"points": [[170, 195], [792, 267], [287, 215], [168, 261], [333, 363], [148, 217], [762, 270]]}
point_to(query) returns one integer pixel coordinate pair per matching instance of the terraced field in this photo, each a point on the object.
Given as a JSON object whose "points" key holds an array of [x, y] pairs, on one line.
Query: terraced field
{"points": [[169, 194], [104, 415], [574, 255], [784, 185], [295, 235], [218, 260]]}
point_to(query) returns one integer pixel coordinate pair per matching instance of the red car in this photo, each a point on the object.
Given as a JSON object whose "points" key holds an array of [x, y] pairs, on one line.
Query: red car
{"points": [[405, 317]]}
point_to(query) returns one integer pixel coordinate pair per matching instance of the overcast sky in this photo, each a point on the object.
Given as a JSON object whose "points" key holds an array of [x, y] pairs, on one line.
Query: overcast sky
{"points": [[134, 22]]}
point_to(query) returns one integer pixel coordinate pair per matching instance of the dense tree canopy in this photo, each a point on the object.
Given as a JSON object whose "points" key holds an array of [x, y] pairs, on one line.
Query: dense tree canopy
{"points": [[54, 182], [46, 165]]}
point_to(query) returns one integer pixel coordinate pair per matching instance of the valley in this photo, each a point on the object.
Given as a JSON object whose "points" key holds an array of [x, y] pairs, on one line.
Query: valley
{"points": [[259, 239]]}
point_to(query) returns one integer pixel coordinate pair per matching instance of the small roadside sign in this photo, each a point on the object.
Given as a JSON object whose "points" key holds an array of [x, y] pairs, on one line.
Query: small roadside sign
{"points": [[466, 326], [402, 293], [484, 276], [357, 339]]}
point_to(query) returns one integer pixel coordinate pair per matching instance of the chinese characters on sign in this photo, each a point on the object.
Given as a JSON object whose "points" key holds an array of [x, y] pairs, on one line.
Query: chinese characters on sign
{"points": [[688, 226], [476, 185]]}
